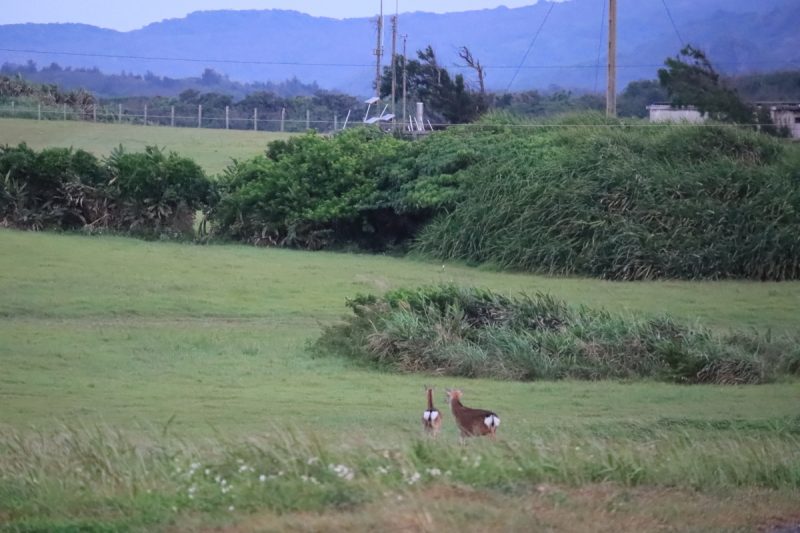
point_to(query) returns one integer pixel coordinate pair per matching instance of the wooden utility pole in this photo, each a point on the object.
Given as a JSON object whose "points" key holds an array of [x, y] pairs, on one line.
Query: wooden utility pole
{"points": [[379, 53], [405, 85], [611, 92], [394, 69]]}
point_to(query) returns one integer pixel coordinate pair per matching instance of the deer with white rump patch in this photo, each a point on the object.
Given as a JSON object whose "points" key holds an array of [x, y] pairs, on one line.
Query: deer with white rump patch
{"points": [[472, 422], [431, 418]]}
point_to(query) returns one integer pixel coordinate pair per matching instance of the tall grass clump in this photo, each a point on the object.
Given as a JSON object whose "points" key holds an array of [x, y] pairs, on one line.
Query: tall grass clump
{"points": [[78, 478], [472, 332], [626, 202]]}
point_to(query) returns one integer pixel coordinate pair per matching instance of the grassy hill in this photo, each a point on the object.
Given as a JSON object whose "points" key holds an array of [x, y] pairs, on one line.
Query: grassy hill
{"points": [[124, 361], [212, 149]]}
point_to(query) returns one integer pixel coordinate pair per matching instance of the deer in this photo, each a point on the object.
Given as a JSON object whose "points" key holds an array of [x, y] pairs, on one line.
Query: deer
{"points": [[432, 417], [472, 422]]}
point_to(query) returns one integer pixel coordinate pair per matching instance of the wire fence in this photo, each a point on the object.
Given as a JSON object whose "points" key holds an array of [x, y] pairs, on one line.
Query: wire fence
{"points": [[229, 118]]}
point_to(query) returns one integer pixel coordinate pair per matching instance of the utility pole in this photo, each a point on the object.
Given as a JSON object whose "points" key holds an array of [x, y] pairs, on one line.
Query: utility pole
{"points": [[405, 85], [379, 53], [611, 92], [394, 69]]}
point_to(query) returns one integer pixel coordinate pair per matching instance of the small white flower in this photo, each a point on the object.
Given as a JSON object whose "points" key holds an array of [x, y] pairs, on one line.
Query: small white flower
{"points": [[435, 472], [195, 466], [343, 471], [312, 460], [223, 482], [207, 471], [262, 478], [414, 478], [383, 470], [192, 489], [231, 508], [244, 468]]}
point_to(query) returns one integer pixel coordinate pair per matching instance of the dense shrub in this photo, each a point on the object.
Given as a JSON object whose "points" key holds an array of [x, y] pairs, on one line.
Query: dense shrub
{"points": [[157, 193], [56, 188], [625, 202], [477, 333], [311, 191], [148, 193]]}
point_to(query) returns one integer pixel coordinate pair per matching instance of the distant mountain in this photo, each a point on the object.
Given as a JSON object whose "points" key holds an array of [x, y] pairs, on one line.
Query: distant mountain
{"points": [[273, 45]]}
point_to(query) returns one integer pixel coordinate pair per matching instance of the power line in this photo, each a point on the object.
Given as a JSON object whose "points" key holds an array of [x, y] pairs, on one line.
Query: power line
{"points": [[674, 26], [533, 41], [185, 59], [788, 62]]}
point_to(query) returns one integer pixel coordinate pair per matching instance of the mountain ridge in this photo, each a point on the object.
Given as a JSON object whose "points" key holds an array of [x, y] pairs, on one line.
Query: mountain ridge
{"points": [[251, 45]]}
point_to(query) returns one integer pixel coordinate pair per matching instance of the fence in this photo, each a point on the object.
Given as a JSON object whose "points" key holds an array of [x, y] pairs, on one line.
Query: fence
{"points": [[182, 116]]}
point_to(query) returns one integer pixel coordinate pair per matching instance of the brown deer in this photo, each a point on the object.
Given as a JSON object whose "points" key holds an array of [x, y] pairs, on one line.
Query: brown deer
{"points": [[431, 418], [472, 422]]}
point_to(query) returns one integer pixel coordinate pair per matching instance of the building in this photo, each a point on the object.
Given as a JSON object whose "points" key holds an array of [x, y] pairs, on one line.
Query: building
{"points": [[788, 116], [784, 115], [667, 113]]}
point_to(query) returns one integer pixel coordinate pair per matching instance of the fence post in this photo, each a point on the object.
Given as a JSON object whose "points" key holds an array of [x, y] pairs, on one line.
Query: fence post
{"points": [[227, 118], [12, 108], [145, 114], [39, 111], [283, 116], [94, 112], [308, 119], [200, 115], [255, 119], [65, 111], [335, 122], [119, 113], [172, 116]]}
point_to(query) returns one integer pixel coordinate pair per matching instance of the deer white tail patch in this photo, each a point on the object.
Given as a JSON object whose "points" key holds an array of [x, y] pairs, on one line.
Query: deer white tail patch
{"points": [[491, 421], [430, 416]]}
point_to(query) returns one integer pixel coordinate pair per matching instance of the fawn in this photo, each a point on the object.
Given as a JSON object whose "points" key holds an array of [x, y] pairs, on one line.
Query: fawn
{"points": [[472, 422], [431, 418]]}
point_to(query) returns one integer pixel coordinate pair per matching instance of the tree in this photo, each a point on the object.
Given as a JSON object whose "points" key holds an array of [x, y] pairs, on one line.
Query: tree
{"points": [[446, 97], [638, 95], [690, 79]]}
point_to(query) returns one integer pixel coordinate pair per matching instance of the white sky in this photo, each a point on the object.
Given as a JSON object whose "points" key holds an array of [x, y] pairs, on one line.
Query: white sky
{"points": [[128, 15]]}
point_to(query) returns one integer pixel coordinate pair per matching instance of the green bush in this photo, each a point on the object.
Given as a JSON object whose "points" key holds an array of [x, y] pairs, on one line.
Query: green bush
{"points": [[312, 192], [625, 202], [157, 194], [149, 193], [477, 333], [56, 188]]}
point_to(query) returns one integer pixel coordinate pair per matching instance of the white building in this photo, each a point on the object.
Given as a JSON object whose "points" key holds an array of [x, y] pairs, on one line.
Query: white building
{"points": [[783, 115], [788, 116], [667, 113]]}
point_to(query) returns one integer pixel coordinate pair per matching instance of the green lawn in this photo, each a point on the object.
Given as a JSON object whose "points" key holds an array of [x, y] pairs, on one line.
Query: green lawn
{"points": [[211, 341], [212, 149]]}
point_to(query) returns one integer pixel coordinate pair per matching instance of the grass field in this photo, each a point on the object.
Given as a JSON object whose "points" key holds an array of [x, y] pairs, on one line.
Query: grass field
{"points": [[125, 361], [212, 149]]}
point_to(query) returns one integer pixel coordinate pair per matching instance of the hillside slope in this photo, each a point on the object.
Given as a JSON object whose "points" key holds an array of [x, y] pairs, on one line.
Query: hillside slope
{"points": [[741, 36]]}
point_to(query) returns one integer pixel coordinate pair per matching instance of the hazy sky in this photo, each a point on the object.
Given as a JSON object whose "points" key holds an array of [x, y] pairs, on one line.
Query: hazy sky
{"points": [[127, 15]]}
